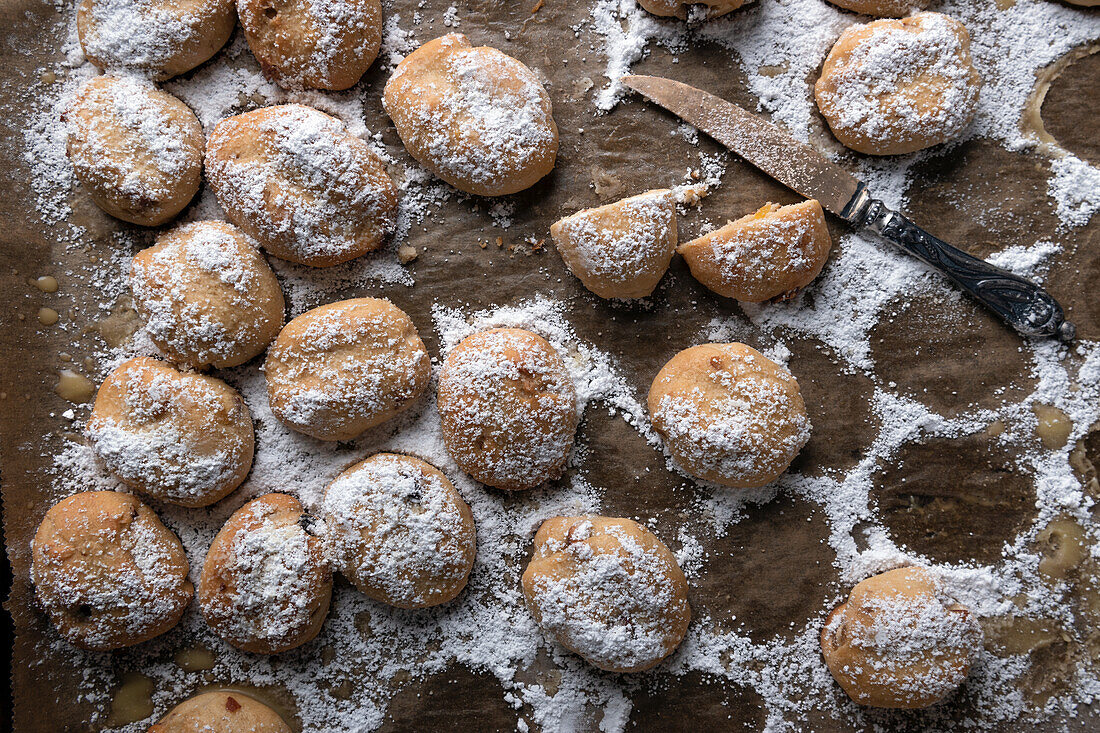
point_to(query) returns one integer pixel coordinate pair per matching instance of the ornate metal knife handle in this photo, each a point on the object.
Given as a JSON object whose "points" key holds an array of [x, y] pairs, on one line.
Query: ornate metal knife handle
{"points": [[1021, 303]]}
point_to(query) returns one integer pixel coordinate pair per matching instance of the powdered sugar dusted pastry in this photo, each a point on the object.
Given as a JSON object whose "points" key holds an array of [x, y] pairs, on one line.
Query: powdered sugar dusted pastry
{"points": [[182, 438], [224, 711], [340, 369], [325, 44], [266, 584], [509, 408], [896, 86], [620, 250], [679, 8], [899, 641], [882, 8], [108, 572], [299, 183], [729, 414], [773, 253], [207, 295], [608, 590], [400, 531], [136, 149], [475, 117], [160, 38]]}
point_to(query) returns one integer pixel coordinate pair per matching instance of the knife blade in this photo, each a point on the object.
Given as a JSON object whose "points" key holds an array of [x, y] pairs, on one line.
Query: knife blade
{"points": [[1022, 304]]}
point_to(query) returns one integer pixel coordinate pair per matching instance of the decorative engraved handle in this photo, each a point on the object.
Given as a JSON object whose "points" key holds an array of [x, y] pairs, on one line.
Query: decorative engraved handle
{"points": [[1021, 303]]}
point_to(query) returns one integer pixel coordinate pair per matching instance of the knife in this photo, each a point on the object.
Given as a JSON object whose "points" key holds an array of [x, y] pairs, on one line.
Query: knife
{"points": [[1024, 305]]}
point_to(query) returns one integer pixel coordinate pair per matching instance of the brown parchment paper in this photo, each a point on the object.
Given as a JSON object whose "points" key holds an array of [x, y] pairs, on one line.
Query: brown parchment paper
{"points": [[773, 570]]}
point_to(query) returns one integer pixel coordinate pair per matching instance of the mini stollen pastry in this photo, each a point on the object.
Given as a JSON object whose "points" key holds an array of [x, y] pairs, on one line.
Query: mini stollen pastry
{"points": [[608, 590], [182, 438], [679, 8], [771, 254], [207, 295], [897, 86], [160, 38], [300, 184], [620, 250], [304, 43], [223, 711], [107, 571], [266, 584], [899, 641], [400, 531], [509, 408], [345, 367], [729, 414], [136, 149], [475, 117]]}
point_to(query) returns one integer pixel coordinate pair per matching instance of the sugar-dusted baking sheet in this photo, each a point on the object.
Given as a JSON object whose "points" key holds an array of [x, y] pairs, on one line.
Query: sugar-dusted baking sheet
{"points": [[762, 574]]}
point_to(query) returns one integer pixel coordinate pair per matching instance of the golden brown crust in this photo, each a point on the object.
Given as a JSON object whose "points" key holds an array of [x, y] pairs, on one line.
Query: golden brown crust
{"points": [[607, 589], [345, 367], [621, 249], [475, 117], [296, 181], [897, 86], [772, 253], [300, 43], [729, 414], [265, 584], [898, 642], [135, 148], [400, 531], [508, 407], [224, 711], [160, 38], [207, 295], [108, 572], [185, 439]]}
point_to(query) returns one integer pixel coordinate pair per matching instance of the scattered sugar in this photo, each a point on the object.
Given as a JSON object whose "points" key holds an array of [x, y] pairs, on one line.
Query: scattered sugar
{"points": [[487, 627]]}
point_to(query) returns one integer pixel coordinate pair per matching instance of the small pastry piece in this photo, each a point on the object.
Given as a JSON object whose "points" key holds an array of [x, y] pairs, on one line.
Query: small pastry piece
{"points": [[303, 43], [899, 642], [679, 8], [345, 367], [509, 408], [207, 295], [475, 117], [107, 571], [158, 38], [608, 590], [300, 184], [620, 250], [266, 584], [897, 86], [399, 531], [181, 438], [771, 254], [136, 149], [224, 711], [729, 414], [882, 8]]}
